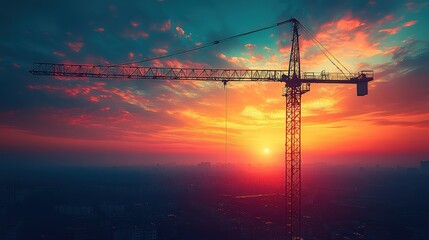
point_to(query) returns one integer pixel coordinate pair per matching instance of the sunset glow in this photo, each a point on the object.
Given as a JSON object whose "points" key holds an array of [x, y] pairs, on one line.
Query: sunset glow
{"points": [[267, 151]]}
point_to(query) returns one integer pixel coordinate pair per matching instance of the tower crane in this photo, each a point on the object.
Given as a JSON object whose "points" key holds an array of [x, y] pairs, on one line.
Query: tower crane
{"points": [[296, 84]]}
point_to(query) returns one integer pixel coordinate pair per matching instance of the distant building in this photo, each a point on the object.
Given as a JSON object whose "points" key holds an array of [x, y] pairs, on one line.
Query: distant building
{"points": [[149, 232], [121, 234], [424, 166], [9, 232], [81, 211], [110, 210], [204, 165]]}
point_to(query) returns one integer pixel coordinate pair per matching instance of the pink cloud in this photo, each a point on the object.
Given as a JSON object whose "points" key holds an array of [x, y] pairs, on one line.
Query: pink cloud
{"points": [[75, 46], [390, 31], [99, 29], [159, 51], [177, 63], [164, 27], [16, 65], [409, 23], [143, 34], [387, 18], [250, 46], [134, 24], [135, 34], [409, 5], [49, 88], [59, 54], [131, 55], [95, 92], [93, 59], [391, 50]]}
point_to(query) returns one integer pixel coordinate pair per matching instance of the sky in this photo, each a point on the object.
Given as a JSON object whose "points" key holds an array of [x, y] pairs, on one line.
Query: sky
{"points": [[63, 121]]}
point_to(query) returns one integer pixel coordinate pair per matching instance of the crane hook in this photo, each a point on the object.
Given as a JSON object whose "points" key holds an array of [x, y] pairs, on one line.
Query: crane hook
{"points": [[225, 82]]}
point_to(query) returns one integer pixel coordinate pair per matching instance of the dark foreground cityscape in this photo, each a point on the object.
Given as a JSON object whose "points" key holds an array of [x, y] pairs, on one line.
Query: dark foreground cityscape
{"points": [[211, 202]]}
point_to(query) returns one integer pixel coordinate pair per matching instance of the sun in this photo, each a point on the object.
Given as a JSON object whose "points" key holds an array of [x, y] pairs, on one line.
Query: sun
{"points": [[267, 150]]}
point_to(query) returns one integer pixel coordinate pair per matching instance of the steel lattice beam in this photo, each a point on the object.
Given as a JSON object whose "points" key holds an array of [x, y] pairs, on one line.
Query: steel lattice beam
{"points": [[195, 74], [293, 162]]}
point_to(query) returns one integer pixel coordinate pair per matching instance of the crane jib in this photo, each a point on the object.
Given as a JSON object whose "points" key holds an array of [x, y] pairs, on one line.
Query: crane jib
{"points": [[134, 72]]}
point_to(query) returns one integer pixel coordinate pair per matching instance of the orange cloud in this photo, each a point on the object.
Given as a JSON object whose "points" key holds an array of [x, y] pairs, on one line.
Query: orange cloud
{"points": [[159, 51], [344, 24], [390, 31], [349, 24], [391, 50], [180, 31]]}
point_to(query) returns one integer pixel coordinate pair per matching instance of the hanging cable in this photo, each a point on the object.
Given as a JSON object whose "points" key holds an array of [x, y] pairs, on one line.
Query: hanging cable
{"points": [[313, 37], [225, 87], [325, 51], [205, 45], [320, 44]]}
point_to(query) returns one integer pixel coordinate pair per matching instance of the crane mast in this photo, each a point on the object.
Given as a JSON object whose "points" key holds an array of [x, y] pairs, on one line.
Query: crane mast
{"points": [[296, 84], [294, 89]]}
